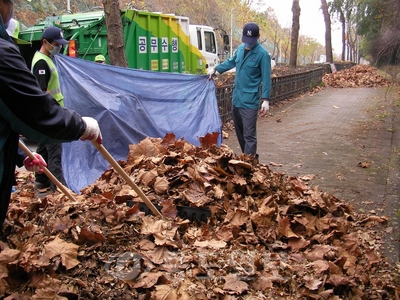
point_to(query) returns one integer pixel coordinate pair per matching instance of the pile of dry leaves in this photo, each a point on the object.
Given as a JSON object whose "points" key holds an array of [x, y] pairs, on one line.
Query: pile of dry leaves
{"points": [[356, 76], [269, 236]]}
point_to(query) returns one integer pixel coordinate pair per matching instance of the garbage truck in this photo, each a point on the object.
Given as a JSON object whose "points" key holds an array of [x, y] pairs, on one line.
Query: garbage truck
{"points": [[153, 41]]}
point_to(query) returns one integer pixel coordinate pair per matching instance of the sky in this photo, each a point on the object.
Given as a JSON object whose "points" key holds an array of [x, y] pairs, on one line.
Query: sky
{"points": [[311, 20]]}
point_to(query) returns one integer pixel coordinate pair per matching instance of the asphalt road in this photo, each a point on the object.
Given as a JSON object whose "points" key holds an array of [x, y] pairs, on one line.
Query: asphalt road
{"points": [[349, 140]]}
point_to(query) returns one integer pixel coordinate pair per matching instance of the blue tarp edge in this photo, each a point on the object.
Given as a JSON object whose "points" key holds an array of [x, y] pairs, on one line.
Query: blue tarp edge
{"points": [[131, 105]]}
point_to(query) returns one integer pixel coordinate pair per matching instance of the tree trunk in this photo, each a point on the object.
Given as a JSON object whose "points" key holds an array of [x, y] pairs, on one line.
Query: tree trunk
{"points": [[328, 36], [343, 21], [351, 45], [115, 39], [294, 39], [278, 51]]}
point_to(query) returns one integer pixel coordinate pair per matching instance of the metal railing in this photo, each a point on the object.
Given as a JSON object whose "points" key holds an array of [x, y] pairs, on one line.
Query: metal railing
{"points": [[224, 99], [282, 87]]}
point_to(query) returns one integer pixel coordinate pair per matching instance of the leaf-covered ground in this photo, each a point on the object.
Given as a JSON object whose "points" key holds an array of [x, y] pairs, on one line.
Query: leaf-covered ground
{"points": [[356, 76], [269, 236]]}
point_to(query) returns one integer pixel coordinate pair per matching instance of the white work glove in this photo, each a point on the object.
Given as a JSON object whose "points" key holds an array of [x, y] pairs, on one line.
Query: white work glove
{"points": [[211, 72], [35, 165], [264, 107], [92, 131]]}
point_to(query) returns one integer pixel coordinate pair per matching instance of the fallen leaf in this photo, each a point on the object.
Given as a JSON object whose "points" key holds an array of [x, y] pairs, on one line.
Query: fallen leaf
{"points": [[232, 283], [312, 283], [67, 251], [210, 244]]}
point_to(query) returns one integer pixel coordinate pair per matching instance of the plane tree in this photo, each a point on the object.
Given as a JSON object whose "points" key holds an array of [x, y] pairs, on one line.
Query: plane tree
{"points": [[115, 38], [309, 50], [328, 31], [294, 39], [345, 11], [378, 22]]}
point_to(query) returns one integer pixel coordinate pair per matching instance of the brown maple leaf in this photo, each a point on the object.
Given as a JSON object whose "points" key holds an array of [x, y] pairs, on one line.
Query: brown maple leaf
{"points": [[67, 251], [168, 140], [164, 292], [148, 280], [209, 140], [159, 255], [169, 209], [232, 283], [90, 238]]}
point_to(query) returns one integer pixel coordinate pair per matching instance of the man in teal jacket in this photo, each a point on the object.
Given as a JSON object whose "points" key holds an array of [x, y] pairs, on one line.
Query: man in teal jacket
{"points": [[253, 67]]}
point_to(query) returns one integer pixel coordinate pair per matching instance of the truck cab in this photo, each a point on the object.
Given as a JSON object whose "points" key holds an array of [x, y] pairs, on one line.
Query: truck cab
{"points": [[204, 39]]}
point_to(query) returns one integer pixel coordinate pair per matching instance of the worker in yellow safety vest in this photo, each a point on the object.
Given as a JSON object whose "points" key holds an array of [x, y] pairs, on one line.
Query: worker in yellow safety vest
{"points": [[44, 68]]}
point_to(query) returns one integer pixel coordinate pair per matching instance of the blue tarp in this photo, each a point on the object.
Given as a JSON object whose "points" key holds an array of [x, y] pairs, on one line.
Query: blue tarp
{"points": [[131, 105]]}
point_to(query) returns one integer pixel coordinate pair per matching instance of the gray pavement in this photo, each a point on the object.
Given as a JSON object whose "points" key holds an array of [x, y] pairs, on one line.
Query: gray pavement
{"points": [[349, 139]]}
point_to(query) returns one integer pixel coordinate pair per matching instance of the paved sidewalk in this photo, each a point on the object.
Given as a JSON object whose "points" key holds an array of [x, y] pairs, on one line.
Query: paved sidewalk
{"points": [[349, 139]]}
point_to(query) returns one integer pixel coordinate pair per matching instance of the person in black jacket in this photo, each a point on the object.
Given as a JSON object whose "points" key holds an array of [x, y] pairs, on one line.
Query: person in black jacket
{"points": [[25, 109]]}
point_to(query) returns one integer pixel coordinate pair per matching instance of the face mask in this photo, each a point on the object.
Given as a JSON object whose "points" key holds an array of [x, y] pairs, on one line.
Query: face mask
{"points": [[55, 50], [248, 45]]}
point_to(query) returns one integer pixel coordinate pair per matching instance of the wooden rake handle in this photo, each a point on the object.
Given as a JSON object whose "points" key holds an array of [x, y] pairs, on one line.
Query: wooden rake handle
{"points": [[122, 172], [46, 171]]}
